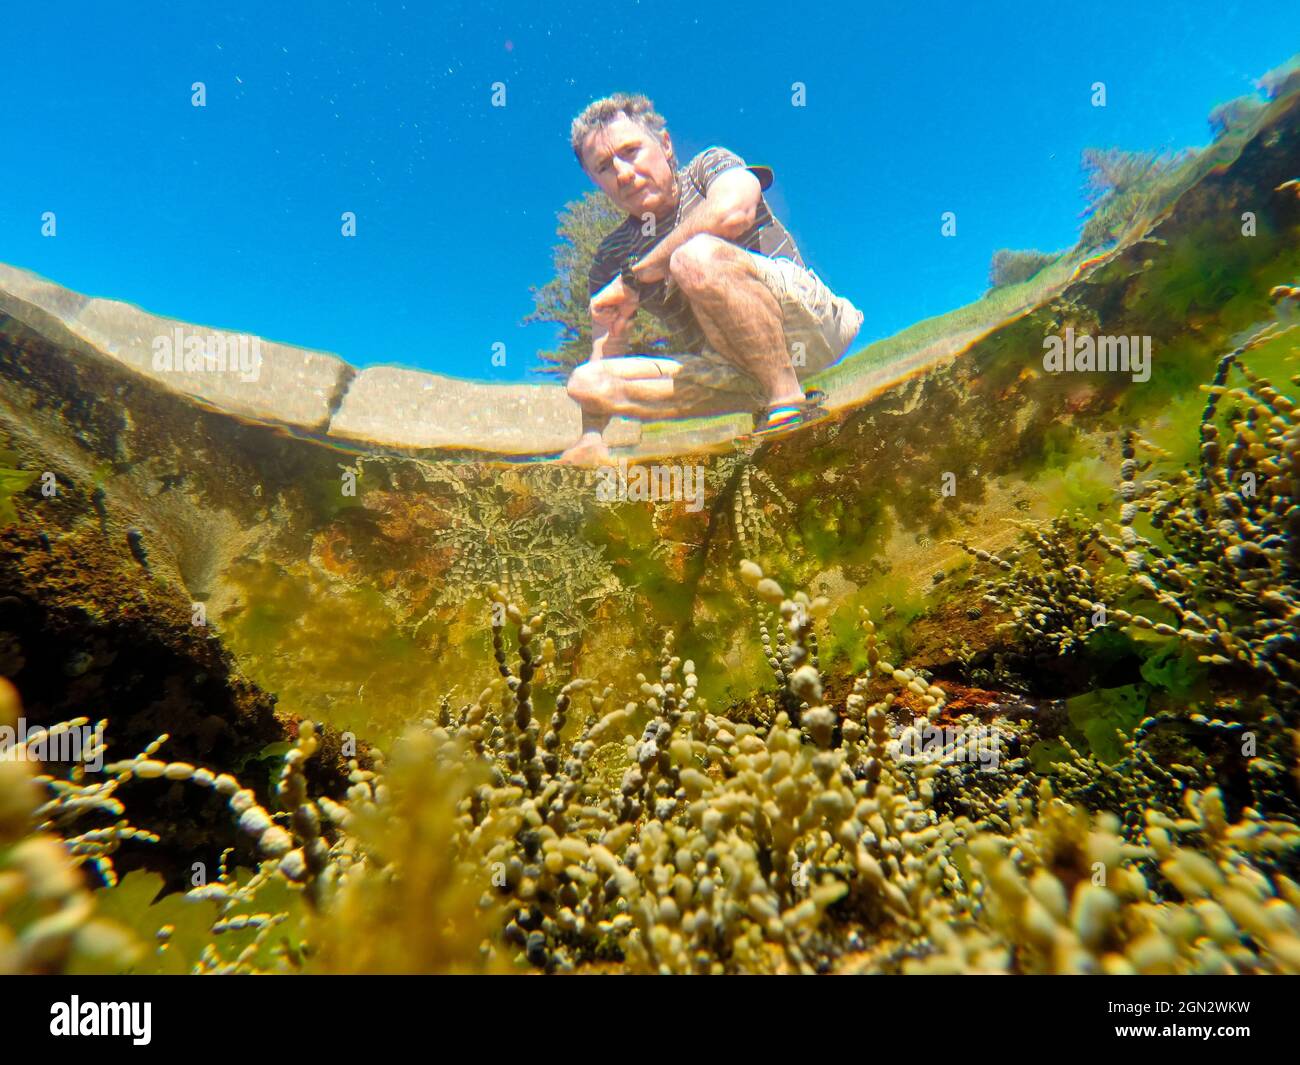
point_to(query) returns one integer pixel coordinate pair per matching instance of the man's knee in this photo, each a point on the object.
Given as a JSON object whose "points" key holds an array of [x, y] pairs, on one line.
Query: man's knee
{"points": [[590, 387], [701, 260]]}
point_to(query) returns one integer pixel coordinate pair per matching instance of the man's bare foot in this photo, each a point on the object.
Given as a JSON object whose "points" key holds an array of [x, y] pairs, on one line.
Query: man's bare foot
{"points": [[590, 450]]}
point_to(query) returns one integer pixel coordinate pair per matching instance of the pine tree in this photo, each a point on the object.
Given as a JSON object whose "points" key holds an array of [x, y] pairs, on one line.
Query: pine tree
{"points": [[564, 299]]}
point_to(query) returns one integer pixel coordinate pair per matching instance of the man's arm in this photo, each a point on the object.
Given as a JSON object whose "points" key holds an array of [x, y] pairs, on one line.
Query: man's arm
{"points": [[728, 211], [612, 311], [603, 342]]}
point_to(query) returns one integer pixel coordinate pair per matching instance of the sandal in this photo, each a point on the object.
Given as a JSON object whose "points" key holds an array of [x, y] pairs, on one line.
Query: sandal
{"points": [[781, 418]]}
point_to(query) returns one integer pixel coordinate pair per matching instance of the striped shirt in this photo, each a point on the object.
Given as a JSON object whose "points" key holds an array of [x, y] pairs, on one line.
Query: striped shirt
{"points": [[664, 300]]}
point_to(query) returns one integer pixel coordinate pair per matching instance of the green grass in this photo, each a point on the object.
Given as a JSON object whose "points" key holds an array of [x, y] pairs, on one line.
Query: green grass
{"points": [[990, 310]]}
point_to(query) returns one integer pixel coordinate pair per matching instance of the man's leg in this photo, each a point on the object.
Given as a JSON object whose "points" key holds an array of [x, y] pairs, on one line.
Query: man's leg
{"points": [[741, 317], [637, 386], [633, 386]]}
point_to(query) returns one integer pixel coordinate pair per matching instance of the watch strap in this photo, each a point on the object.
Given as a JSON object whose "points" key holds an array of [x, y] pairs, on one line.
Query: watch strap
{"points": [[629, 279]]}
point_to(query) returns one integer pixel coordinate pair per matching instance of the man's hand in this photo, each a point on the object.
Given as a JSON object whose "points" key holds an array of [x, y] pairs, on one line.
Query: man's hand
{"points": [[612, 311], [614, 303]]}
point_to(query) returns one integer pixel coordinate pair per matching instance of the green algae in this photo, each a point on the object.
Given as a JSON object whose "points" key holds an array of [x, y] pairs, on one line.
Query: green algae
{"points": [[1100, 715], [845, 649], [138, 904], [12, 482], [1082, 484], [336, 654], [1174, 669]]}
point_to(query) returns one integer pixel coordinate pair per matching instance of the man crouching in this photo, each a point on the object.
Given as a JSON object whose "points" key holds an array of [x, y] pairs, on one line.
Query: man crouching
{"points": [[701, 251]]}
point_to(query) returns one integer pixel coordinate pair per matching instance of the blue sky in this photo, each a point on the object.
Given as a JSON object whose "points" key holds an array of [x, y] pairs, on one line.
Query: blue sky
{"points": [[229, 215]]}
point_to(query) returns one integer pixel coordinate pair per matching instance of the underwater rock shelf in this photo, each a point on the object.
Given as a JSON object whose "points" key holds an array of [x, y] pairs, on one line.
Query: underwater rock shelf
{"points": [[385, 408], [308, 391]]}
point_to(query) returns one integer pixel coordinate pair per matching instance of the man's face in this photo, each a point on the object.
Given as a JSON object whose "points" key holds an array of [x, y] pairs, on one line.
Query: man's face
{"points": [[631, 167]]}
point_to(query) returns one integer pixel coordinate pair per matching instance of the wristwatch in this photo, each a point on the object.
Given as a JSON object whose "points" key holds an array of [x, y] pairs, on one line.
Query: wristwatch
{"points": [[630, 279]]}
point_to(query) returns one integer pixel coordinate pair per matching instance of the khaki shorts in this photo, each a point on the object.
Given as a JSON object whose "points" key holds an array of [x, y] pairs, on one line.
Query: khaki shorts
{"points": [[819, 327]]}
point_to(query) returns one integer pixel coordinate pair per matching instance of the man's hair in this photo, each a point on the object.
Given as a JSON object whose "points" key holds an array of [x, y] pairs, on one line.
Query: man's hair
{"points": [[600, 113]]}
